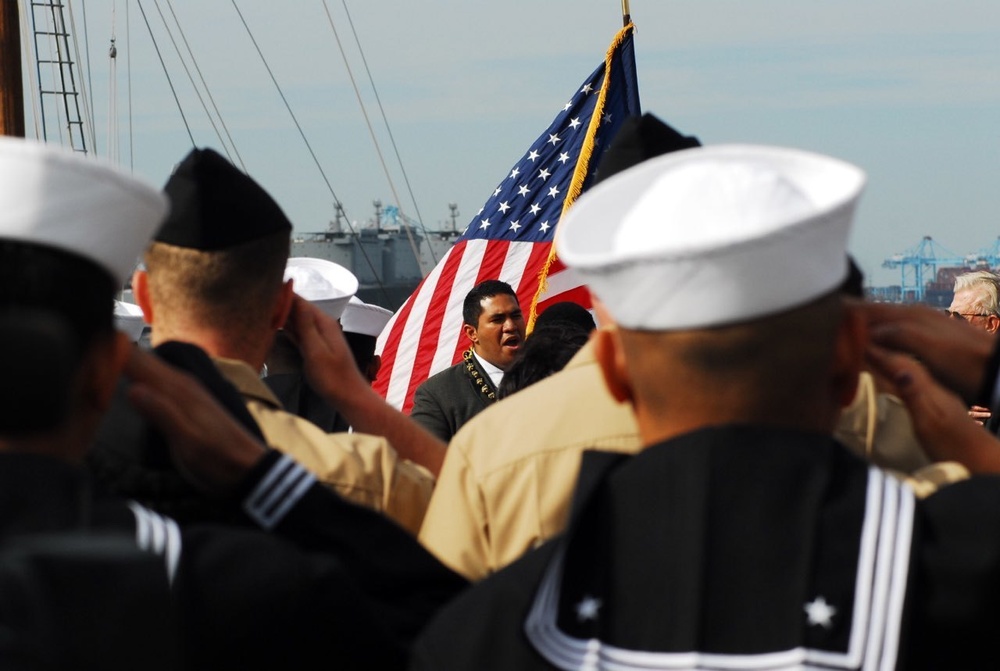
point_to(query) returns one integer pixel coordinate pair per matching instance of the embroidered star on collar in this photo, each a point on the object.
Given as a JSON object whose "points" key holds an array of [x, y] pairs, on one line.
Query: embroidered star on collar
{"points": [[819, 612], [587, 608]]}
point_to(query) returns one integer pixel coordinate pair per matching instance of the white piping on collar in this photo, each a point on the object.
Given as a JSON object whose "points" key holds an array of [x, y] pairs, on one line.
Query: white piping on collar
{"points": [[879, 595]]}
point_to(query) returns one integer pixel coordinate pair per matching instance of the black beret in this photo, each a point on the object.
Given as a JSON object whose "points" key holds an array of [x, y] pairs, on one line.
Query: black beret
{"points": [[639, 139], [215, 206]]}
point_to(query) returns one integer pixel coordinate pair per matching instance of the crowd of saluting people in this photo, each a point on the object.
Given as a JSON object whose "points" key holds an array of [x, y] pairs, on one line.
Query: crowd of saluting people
{"points": [[731, 462]]}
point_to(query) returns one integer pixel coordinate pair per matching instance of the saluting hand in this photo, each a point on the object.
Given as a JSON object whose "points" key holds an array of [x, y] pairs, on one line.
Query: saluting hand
{"points": [[210, 447]]}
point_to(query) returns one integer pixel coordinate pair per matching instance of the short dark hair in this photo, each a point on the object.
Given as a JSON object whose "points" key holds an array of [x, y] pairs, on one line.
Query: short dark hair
{"points": [[473, 306], [546, 351]]}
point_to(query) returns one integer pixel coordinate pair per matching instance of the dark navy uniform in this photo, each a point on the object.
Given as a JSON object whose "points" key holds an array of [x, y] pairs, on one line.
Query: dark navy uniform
{"points": [[742, 548], [332, 580]]}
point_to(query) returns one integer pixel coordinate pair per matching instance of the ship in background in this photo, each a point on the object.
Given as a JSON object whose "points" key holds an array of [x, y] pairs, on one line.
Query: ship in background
{"points": [[928, 273], [389, 254]]}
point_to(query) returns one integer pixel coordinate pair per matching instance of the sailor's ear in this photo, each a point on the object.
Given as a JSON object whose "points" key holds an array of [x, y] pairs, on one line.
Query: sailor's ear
{"points": [[611, 358], [283, 306], [140, 292]]}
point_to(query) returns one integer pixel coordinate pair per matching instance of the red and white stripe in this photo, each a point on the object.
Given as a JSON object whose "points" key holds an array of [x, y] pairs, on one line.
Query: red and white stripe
{"points": [[425, 336]]}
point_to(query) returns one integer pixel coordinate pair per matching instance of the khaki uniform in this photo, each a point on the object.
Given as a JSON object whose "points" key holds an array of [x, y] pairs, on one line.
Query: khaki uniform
{"points": [[508, 478], [877, 427], [362, 468]]}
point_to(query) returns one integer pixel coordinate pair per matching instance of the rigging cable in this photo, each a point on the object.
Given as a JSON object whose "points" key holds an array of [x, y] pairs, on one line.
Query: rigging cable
{"points": [[87, 119], [165, 73], [128, 79], [208, 91], [312, 153], [33, 84], [113, 90], [187, 71], [371, 132], [90, 71], [392, 139]]}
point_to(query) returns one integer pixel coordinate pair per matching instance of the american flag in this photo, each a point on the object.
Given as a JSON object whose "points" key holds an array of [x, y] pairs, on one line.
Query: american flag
{"points": [[510, 238]]}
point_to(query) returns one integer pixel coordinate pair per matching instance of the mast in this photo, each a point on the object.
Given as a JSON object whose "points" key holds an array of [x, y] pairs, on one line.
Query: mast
{"points": [[11, 84], [626, 14]]}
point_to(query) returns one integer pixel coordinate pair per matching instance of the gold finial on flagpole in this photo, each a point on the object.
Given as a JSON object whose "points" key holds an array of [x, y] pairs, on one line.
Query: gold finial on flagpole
{"points": [[626, 14]]}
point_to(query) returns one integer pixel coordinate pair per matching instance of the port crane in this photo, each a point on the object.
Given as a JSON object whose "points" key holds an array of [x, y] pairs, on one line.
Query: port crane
{"points": [[919, 264]]}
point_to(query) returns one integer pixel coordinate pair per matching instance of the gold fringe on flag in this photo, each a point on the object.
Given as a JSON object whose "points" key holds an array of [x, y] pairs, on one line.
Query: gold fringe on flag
{"points": [[582, 168]]}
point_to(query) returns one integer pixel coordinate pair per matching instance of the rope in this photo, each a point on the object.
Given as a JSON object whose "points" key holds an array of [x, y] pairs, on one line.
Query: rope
{"points": [[371, 131], [187, 71], [113, 92], [33, 84], [208, 91], [312, 153], [165, 73], [392, 139], [128, 62], [86, 118], [86, 48]]}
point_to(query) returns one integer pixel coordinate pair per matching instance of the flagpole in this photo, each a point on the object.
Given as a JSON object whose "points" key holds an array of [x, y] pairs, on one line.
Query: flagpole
{"points": [[626, 14]]}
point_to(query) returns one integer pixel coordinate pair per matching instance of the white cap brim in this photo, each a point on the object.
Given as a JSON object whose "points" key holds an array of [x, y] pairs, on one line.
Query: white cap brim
{"points": [[323, 283], [53, 197], [364, 318], [714, 235]]}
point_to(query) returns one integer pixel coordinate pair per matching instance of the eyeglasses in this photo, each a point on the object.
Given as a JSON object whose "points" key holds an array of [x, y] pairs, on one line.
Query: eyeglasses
{"points": [[963, 315]]}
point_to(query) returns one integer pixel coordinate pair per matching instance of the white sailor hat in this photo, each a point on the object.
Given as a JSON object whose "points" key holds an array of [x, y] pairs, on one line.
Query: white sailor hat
{"points": [[323, 283], [714, 235], [129, 319], [364, 318], [53, 197]]}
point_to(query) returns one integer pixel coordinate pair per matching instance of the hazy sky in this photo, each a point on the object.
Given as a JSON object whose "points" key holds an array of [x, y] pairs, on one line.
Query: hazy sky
{"points": [[909, 91]]}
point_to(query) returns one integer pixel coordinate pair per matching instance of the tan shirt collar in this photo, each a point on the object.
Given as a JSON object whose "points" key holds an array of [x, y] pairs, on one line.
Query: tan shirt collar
{"points": [[246, 380]]}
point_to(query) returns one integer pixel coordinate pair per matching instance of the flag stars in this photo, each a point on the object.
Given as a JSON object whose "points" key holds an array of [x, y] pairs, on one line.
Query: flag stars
{"points": [[544, 227], [587, 88], [554, 191], [535, 209], [544, 174], [497, 192], [563, 157], [514, 225], [484, 224], [523, 190], [503, 207], [553, 139], [567, 105], [480, 211], [606, 118], [532, 155], [514, 173], [574, 123]]}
